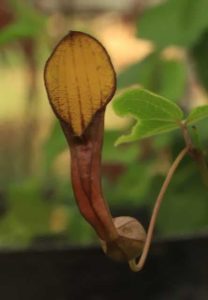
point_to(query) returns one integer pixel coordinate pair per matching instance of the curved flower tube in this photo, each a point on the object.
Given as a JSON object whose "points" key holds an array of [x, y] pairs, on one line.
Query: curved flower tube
{"points": [[80, 80]]}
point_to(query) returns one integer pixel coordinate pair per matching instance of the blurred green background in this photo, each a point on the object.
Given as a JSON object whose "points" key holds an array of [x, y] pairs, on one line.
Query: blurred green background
{"points": [[161, 45]]}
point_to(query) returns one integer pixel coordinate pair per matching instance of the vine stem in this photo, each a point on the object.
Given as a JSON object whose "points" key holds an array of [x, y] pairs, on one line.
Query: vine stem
{"points": [[134, 266]]}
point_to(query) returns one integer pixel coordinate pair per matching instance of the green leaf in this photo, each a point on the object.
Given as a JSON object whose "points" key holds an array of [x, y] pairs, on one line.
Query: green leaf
{"points": [[198, 113], [174, 22], [162, 76], [154, 114]]}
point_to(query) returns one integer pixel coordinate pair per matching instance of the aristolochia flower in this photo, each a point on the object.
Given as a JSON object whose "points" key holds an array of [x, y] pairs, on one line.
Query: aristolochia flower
{"points": [[80, 80]]}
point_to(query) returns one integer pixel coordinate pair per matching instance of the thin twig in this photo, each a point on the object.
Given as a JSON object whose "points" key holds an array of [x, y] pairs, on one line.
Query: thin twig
{"points": [[132, 263]]}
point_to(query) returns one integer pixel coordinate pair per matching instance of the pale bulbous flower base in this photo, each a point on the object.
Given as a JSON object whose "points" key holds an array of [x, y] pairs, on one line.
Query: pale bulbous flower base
{"points": [[130, 241]]}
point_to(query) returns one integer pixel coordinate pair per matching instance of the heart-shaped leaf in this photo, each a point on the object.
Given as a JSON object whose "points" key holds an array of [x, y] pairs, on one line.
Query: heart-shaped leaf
{"points": [[154, 114]]}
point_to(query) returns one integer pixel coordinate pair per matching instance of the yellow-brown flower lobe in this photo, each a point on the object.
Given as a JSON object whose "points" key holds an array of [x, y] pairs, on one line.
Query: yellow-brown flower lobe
{"points": [[79, 79]]}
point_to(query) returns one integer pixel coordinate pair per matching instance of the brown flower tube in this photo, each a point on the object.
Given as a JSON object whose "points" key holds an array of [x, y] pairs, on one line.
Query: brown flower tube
{"points": [[80, 80]]}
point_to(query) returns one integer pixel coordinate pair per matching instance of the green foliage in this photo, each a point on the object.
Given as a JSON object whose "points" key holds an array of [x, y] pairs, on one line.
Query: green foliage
{"points": [[197, 114], [132, 185], [185, 209], [28, 215], [53, 146], [174, 22], [30, 203], [182, 214], [154, 114], [125, 155], [79, 231], [152, 72], [200, 59], [202, 126], [19, 30], [173, 80], [29, 23], [141, 72]]}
